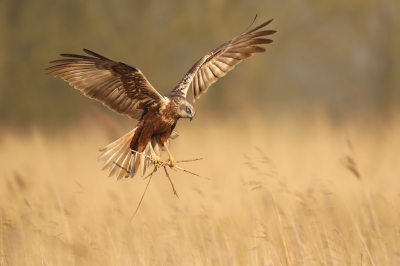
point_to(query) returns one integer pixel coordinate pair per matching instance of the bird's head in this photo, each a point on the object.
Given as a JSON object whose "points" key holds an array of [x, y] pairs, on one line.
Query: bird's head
{"points": [[186, 110]]}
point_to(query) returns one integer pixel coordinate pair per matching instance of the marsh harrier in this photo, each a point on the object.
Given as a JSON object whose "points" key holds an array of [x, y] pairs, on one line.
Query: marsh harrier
{"points": [[124, 89]]}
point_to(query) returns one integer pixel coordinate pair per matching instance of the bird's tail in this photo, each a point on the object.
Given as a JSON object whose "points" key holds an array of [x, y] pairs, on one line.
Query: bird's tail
{"points": [[122, 162]]}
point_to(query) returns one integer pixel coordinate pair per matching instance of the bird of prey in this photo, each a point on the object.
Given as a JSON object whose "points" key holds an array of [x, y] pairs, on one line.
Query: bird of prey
{"points": [[124, 89]]}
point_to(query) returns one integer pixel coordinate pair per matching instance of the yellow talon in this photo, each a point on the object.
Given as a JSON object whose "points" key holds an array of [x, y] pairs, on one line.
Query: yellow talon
{"points": [[156, 159], [171, 162]]}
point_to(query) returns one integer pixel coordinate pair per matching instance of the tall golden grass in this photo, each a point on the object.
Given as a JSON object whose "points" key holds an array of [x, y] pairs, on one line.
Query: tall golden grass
{"points": [[281, 193]]}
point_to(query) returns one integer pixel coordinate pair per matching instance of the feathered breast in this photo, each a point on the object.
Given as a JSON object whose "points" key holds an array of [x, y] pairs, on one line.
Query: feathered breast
{"points": [[169, 110]]}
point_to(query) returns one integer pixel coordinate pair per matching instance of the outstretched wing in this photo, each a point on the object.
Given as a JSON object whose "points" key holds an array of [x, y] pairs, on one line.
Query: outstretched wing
{"points": [[221, 60], [120, 87]]}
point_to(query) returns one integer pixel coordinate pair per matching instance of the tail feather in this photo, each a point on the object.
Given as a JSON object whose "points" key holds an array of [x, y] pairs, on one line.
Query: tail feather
{"points": [[124, 167], [117, 155], [155, 147], [107, 154], [121, 161], [114, 158], [116, 169], [118, 141], [143, 160], [132, 165], [137, 162]]}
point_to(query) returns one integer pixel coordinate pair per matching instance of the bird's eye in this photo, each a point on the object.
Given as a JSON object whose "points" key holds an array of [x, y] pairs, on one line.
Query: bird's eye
{"points": [[188, 110]]}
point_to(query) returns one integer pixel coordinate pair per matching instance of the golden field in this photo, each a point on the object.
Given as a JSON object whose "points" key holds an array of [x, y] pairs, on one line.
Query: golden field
{"points": [[294, 200], [285, 188]]}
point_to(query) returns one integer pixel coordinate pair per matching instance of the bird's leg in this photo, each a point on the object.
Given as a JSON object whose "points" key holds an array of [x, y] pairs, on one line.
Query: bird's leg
{"points": [[156, 158], [171, 159]]}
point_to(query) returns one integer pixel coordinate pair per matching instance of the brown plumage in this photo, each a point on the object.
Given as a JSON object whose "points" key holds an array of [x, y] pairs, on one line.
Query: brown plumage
{"points": [[124, 89]]}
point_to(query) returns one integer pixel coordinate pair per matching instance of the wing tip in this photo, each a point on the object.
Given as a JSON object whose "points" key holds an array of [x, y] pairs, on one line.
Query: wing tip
{"points": [[269, 21], [67, 55], [51, 72], [51, 67], [259, 26], [94, 54]]}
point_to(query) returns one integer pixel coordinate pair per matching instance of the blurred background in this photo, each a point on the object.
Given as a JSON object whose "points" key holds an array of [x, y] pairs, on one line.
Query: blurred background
{"points": [[301, 143], [341, 56]]}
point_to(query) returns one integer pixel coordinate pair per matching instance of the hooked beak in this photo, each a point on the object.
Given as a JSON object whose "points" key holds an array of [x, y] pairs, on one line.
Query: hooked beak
{"points": [[191, 118]]}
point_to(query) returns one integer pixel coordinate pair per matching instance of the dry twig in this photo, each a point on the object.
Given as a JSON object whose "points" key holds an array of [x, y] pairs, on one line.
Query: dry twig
{"points": [[157, 165]]}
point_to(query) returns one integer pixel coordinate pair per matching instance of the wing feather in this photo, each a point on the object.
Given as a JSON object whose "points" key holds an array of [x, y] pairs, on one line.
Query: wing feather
{"points": [[229, 60], [209, 76], [221, 60], [117, 85], [249, 49], [196, 86], [216, 71], [201, 80], [224, 67], [237, 56], [105, 88]]}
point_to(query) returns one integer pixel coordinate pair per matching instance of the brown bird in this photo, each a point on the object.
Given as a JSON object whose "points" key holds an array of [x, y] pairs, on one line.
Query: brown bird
{"points": [[124, 89]]}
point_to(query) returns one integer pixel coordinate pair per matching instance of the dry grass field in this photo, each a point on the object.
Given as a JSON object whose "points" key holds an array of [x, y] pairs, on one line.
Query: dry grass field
{"points": [[285, 187], [310, 194]]}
